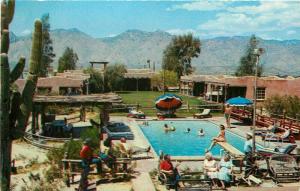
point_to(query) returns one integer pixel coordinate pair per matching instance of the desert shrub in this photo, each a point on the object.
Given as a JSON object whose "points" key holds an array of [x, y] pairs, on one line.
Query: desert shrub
{"points": [[52, 173], [39, 184], [280, 104]]}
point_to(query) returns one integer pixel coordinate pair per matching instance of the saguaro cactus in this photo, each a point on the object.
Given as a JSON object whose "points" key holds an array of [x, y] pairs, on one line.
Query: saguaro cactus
{"points": [[15, 107]]}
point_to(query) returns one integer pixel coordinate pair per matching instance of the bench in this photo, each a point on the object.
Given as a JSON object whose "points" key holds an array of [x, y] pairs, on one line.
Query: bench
{"points": [[72, 167]]}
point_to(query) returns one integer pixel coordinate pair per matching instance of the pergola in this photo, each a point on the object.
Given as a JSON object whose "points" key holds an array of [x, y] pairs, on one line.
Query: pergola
{"points": [[103, 101]]}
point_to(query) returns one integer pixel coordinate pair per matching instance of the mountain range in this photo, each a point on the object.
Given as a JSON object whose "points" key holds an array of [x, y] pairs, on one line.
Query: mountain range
{"points": [[133, 48]]}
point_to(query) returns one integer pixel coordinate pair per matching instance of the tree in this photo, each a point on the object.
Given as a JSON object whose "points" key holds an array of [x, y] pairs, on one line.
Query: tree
{"points": [[95, 81], [48, 55], [114, 77], [169, 77], [68, 60], [248, 62], [290, 105], [178, 55]]}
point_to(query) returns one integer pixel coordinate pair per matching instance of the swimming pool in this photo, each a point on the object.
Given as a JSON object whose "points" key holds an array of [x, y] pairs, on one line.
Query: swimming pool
{"points": [[179, 143]]}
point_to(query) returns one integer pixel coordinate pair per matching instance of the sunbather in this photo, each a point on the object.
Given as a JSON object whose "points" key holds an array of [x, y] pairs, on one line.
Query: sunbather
{"points": [[219, 138], [130, 150]]}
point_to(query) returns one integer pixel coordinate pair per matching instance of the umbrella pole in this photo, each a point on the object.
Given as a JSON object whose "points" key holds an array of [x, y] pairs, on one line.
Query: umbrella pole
{"points": [[254, 105]]}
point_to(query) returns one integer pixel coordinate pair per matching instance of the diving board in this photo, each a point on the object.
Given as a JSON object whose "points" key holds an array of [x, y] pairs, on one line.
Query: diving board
{"points": [[234, 152]]}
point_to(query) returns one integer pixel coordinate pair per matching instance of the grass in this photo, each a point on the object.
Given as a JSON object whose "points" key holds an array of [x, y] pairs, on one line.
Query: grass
{"points": [[146, 100]]}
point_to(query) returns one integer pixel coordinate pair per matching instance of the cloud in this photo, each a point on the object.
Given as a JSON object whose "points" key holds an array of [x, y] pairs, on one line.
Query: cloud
{"points": [[25, 32], [199, 6], [290, 32], [263, 19], [181, 31]]}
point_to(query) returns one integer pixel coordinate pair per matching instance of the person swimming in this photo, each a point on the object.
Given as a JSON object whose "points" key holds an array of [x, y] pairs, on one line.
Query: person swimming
{"points": [[201, 132], [167, 128], [187, 130]]}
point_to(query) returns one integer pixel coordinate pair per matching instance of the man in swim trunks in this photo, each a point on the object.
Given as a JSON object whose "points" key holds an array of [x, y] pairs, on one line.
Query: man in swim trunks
{"points": [[227, 114]]}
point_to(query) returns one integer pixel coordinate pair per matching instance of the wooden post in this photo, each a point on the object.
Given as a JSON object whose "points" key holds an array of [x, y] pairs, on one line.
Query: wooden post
{"points": [[218, 94], [33, 120]]}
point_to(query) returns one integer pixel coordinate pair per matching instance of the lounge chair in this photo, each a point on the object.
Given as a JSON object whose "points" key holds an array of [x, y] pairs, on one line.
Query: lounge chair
{"points": [[205, 114], [278, 150], [136, 114], [265, 130], [283, 168], [285, 137]]}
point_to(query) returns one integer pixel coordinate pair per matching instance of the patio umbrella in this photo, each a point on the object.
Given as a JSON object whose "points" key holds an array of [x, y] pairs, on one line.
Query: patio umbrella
{"points": [[168, 102], [239, 101]]}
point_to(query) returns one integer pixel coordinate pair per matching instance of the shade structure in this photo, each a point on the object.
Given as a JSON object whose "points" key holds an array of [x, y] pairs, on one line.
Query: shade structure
{"points": [[168, 102], [239, 101]]}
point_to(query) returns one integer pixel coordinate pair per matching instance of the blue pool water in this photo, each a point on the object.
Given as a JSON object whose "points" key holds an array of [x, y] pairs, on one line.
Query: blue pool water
{"points": [[179, 143]]}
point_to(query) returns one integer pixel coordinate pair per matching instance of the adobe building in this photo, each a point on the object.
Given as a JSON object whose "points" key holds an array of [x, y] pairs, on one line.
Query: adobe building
{"points": [[222, 87], [66, 83], [138, 79]]}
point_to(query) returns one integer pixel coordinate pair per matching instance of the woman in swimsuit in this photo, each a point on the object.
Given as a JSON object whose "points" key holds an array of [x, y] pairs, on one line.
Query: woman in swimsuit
{"points": [[219, 138]]}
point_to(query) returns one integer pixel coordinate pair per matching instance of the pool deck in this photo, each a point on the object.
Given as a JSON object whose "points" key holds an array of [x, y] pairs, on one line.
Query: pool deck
{"points": [[193, 162]]}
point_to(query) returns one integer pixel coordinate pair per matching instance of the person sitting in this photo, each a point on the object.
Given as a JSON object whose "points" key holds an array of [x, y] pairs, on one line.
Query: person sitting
{"points": [[201, 132], [86, 154], [210, 167], [167, 128], [187, 130], [128, 150], [108, 156], [167, 167], [225, 170], [219, 138]]}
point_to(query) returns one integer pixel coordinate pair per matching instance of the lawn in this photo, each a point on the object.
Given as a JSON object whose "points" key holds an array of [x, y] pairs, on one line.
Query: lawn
{"points": [[146, 100]]}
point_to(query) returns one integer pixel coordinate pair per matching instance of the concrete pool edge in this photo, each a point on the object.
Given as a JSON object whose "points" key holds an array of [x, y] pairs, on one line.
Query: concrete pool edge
{"points": [[138, 134], [134, 123]]}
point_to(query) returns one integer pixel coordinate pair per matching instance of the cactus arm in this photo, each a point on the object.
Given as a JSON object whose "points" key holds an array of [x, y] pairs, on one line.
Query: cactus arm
{"points": [[10, 11], [14, 112], [5, 41], [4, 24], [5, 97], [17, 71], [36, 50], [31, 81]]}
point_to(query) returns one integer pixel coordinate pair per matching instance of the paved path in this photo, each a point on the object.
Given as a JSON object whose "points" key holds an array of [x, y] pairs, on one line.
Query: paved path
{"points": [[143, 182]]}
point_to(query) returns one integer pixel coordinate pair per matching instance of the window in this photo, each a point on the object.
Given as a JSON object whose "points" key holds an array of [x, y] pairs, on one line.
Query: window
{"points": [[260, 93]]}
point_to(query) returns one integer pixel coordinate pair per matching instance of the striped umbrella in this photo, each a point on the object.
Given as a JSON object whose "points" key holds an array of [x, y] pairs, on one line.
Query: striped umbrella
{"points": [[168, 102]]}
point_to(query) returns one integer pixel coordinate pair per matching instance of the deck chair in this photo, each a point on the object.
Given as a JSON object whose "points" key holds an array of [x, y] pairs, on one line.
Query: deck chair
{"points": [[283, 168], [278, 150], [265, 130], [205, 114], [285, 137]]}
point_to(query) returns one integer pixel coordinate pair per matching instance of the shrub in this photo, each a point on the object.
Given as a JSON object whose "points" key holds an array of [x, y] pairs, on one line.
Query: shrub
{"points": [[93, 134], [280, 104]]}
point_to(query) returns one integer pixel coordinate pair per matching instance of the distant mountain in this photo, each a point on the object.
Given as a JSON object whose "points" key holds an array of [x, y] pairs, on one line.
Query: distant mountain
{"points": [[134, 47]]}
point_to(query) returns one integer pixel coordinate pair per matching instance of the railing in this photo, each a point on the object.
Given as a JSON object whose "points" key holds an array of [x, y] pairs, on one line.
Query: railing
{"points": [[42, 141], [187, 107]]}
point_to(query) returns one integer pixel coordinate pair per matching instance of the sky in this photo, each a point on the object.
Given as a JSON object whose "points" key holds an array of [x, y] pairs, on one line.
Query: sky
{"points": [[278, 20]]}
